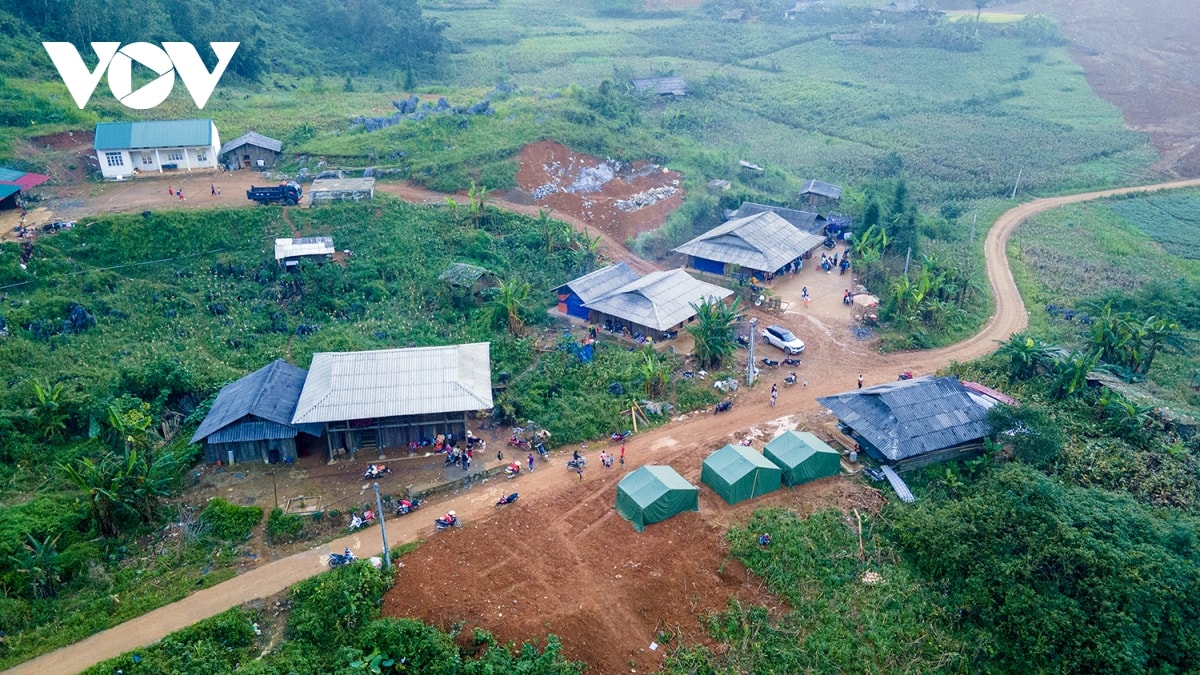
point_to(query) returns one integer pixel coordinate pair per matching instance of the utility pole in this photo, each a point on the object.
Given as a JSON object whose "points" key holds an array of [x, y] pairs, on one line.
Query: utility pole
{"points": [[750, 357], [974, 217], [275, 486], [1016, 184], [387, 555], [907, 260]]}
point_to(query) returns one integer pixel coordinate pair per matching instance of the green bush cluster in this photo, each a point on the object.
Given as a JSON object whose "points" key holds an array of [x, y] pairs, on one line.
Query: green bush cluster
{"points": [[283, 527], [230, 522]]}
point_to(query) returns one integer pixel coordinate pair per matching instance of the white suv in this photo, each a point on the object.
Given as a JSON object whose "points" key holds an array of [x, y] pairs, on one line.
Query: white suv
{"points": [[784, 339]]}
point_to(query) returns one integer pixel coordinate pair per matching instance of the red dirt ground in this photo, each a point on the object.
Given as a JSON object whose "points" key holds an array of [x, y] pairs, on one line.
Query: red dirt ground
{"points": [[549, 163], [567, 563]]}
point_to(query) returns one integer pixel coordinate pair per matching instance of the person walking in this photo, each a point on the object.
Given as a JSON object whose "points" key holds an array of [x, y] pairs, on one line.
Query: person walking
{"points": [[774, 394], [531, 462], [622, 454], [500, 455], [170, 191], [579, 470], [860, 380], [212, 188]]}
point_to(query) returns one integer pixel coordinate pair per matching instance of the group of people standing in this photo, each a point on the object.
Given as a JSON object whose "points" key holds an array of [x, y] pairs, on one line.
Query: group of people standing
{"points": [[831, 262]]}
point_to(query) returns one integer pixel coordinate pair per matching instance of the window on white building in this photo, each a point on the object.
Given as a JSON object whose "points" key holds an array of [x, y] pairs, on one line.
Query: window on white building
{"points": [[147, 159], [175, 155], [114, 158], [201, 156]]}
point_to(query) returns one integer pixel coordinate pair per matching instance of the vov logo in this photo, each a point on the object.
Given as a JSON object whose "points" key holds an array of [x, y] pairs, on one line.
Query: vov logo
{"points": [[166, 61]]}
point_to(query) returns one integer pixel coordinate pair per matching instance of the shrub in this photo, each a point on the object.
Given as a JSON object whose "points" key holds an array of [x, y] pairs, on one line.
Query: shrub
{"points": [[328, 609], [230, 521], [283, 527]]}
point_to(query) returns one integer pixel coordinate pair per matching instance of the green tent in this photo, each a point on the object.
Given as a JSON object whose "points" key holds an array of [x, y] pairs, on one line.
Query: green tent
{"points": [[738, 473], [803, 457], [654, 493]]}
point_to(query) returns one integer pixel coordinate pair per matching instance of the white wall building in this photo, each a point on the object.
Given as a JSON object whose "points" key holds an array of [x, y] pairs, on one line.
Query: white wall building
{"points": [[125, 149]]}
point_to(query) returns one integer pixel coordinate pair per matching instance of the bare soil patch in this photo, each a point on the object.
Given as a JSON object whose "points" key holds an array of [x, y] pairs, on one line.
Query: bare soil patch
{"points": [[1144, 58], [621, 200]]}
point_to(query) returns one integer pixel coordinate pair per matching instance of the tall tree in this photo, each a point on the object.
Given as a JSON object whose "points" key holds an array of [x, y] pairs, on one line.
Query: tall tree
{"points": [[713, 331]]}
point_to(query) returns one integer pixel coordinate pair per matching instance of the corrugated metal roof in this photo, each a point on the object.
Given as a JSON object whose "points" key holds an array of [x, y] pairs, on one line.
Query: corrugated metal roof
{"points": [[803, 220], [662, 86], [293, 248], [596, 285], [269, 393], [658, 300], [911, 417], [7, 189], [394, 382], [764, 241], [161, 134], [22, 179], [255, 139], [462, 274], [252, 429], [817, 187]]}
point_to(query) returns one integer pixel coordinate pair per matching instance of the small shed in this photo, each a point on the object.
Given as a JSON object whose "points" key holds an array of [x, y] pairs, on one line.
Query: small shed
{"points": [[738, 473], [325, 190], [802, 457], [12, 182], [736, 15], [471, 278], [251, 150], [288, 252], [673, 87], [251, 420], [654, 493], [816, 192]]}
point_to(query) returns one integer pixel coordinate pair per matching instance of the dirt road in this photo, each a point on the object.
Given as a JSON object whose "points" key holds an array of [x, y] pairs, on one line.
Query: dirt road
{"points": [[544, 493]]}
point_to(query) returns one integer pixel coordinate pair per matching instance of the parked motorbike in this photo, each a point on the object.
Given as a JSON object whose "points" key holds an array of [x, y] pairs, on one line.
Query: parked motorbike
{"points": [[448, 520], [507, 500], [404, 506], [541, 450], [512, 470], [339, 559], [518, 442], [670, 334], [376, 471], [723, 406], [619, 436], [769, 362], [791, 361], [576, 464], [357, 521], [906, 375], [790, 379]]}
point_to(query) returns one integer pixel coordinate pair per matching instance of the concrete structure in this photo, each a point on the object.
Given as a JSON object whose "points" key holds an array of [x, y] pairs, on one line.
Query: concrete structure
{"points": [[325, 190], [288, 252], [125, 149]]}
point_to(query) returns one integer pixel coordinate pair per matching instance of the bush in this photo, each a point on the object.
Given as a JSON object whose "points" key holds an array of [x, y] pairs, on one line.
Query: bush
{"points": [[230, 522], [328, 609], [282, 528]]}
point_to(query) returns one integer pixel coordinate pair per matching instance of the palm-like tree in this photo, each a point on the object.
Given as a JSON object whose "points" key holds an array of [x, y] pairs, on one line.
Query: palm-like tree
{"points": [[1070, 374], [655, 373], [1025, 354], [512, 297], [48, 415], [713, 331]]}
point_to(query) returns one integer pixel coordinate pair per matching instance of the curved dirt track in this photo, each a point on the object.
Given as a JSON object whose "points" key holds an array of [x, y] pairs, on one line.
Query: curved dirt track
{"points": [[683, 439]]}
